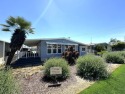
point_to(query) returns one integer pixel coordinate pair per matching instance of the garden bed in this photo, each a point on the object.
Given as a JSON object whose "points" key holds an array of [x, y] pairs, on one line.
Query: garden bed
{"points": [[115, 84], [33, 84]]}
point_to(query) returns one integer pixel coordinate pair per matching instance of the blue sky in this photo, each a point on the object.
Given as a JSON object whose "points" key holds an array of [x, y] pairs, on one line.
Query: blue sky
{"points": [[80, 20]]}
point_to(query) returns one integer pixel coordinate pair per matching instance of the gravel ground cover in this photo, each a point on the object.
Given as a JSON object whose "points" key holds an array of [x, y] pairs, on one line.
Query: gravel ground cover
{"points": [[32, 82]]}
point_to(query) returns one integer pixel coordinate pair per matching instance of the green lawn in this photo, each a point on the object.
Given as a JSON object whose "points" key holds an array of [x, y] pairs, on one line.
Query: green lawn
{"points": [[114, 85]]}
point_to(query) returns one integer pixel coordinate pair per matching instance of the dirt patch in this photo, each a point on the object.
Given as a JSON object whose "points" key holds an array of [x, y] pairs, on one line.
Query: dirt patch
{"points": [[32, 84], [28, 70]]}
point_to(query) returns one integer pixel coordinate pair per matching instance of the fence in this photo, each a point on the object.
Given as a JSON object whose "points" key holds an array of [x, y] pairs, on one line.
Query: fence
{"points": [[26, 54]]}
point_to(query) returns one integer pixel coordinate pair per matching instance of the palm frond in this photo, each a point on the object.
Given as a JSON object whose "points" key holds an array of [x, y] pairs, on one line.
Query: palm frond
{"points": [[17, 23], [23, 23], [11, 21], [5, 29], [31, 31], [4, 25]]}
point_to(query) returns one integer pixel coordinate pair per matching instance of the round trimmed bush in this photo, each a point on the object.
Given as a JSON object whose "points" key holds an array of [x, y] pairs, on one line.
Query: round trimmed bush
{"points": [[91, 67], [56, 62], [8, 84], [114, 57]]}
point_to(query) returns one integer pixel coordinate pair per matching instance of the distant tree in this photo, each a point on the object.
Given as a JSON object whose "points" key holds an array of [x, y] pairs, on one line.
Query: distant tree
{"points": [[119, 46], [21, 28], [99, 48], [114, 41], [105, 45]]}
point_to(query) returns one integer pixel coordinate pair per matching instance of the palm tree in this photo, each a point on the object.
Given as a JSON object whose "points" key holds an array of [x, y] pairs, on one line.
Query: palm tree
{"points": [[21, 27]]}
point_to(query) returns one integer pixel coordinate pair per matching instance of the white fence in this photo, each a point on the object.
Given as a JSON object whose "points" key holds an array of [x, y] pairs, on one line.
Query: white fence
{"points": [[26, 54]]}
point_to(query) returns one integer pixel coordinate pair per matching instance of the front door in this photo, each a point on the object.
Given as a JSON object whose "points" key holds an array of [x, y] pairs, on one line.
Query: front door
{"points": [[82, 50]]}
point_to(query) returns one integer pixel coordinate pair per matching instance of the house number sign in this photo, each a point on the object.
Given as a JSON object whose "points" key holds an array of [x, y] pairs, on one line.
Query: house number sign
{"points": [[55, 70]]}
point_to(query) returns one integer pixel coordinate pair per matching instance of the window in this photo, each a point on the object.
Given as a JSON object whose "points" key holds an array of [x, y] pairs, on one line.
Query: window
{"points": [[59, 48], [49, 48], [54, 48], [83, 49], [67, 46]]}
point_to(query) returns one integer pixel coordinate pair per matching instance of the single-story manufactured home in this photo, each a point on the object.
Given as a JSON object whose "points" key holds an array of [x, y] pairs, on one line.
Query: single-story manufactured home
{"points": [[54, 47], [4, 49], [43, 48]]}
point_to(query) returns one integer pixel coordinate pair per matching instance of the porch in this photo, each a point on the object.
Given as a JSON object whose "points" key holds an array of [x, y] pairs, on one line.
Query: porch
{"points": [[28, 55], [29, 50]]}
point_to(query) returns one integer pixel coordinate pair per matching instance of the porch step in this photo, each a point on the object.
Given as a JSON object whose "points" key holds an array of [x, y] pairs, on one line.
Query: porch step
{"points": [[24, 62]]}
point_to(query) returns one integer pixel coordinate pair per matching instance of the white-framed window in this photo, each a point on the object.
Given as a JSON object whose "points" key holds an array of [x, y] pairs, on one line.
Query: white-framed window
{"points": [[67, 46], [83, 49], [54, 48]]}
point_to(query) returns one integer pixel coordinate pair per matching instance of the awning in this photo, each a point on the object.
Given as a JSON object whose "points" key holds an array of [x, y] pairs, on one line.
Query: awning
{"points": [[31, 42], [61, 43]]}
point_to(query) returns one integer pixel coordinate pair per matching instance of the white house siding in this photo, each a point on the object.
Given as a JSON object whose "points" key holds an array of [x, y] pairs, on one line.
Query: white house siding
{"points": [[1, 53]]}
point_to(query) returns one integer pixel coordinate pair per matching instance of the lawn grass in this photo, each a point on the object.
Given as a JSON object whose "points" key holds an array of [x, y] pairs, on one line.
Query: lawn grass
{"points": [[113, 85]]}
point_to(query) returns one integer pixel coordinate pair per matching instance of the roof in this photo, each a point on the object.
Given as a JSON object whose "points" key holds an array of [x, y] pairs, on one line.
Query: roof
{"points": [[34, 42], [31, 42], [4, 41]]}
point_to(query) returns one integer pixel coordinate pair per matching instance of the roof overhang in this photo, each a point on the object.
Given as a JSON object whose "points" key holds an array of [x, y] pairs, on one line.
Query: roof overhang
{"points": [[61, 43], [4, 41], [32, 42]]}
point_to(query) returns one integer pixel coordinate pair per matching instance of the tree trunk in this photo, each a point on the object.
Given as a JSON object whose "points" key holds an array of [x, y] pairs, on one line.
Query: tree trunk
{"points": [[11, 55]]}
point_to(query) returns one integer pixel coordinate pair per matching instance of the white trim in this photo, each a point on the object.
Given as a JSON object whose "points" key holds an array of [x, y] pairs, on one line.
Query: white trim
{"points": [[76, 48], [83, 47], [80, 47], [52, 49], [61, 43], [70, 45]]}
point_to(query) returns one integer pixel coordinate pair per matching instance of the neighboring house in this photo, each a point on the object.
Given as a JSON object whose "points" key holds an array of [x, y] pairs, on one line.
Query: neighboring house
{"points": [[54, 47], [4, 49]]}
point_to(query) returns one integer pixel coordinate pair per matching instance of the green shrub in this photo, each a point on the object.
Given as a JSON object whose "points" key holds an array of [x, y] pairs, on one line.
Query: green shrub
{"points": [[122, 53], [7, 82], [101, 53], [114, 57], [91, 67], [56, 62]]}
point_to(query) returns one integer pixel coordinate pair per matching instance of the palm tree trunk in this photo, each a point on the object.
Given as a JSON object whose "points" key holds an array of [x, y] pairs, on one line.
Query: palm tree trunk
{"points": [[11, 55]]}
